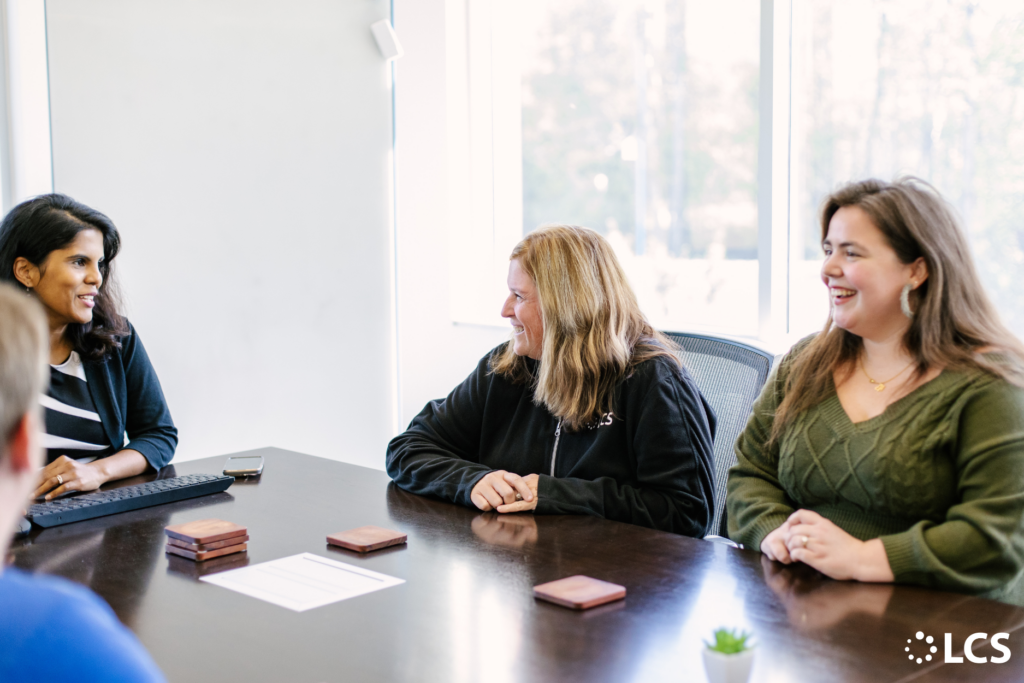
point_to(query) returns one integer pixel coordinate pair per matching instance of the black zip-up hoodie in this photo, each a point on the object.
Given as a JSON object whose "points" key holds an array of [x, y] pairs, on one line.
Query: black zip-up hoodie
{"points": [[647, 463]]}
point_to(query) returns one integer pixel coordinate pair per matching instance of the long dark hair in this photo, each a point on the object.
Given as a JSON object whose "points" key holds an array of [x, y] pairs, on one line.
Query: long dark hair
{"points": [[953, 317], [49, 222]]}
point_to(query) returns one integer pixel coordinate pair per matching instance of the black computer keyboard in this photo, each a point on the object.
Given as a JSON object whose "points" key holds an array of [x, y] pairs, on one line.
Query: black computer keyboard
{"points": [[126, 498]]}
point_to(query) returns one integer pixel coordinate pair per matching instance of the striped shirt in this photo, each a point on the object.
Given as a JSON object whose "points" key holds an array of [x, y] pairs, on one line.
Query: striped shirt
{"points": [[73, 427]]}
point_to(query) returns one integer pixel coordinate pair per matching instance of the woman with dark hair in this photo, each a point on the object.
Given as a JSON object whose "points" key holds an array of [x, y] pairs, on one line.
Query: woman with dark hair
{"points": [[889, 447], [103, 389]]}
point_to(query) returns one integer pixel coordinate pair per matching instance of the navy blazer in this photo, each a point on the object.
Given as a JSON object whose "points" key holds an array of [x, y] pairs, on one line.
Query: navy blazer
{"points": [[129, 400]]}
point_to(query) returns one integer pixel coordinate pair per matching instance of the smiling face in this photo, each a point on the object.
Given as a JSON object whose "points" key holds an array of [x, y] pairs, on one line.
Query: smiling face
{"points": [[67, 282], [522, 308], [865, 277]]}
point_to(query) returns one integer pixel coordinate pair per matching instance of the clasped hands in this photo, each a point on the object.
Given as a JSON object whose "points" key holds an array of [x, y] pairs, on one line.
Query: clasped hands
{"points": [[810, 538], [498, 491]]}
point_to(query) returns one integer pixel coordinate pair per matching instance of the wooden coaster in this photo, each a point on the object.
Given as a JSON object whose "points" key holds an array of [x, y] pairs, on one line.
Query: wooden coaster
{"points": [[203, 547], [209, 554], [205, 531], [579, 592], [367, 538]]}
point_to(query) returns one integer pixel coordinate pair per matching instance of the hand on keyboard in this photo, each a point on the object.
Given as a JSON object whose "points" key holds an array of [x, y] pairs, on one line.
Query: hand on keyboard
{"points": [[125, 498], [67, 474]]}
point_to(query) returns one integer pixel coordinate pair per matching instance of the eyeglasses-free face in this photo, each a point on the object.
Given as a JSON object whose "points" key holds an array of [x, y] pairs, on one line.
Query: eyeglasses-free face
{"points": [[69, 280], [865, 277], [522, 308]]}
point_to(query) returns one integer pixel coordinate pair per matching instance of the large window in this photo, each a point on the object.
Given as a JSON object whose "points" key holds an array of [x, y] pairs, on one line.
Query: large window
{"points": [[929, 88], [701, 138], [640, 121]]}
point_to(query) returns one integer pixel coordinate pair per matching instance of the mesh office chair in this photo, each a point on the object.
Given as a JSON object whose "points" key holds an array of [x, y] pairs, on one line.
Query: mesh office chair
{"points": [[730, 375]]}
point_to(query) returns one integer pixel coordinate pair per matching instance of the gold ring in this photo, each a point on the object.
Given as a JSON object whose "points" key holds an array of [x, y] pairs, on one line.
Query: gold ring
{"points": [[804, 540], [60, 480]]}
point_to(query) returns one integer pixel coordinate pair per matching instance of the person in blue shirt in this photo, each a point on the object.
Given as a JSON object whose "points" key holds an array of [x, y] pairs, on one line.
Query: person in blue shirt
{"points": [[103, 389], [50, 629]]}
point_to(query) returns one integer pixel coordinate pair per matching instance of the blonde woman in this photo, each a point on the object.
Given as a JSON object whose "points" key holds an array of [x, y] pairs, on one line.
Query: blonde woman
{"points": [[890, 446], [586, 410]]}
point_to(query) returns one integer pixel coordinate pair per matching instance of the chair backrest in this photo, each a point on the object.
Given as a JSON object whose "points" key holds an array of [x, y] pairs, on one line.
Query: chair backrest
{"points": [[730, 375]]}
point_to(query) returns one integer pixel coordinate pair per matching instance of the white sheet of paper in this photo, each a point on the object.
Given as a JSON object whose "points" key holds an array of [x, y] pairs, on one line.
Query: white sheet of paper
{"points": [[302, 582]]}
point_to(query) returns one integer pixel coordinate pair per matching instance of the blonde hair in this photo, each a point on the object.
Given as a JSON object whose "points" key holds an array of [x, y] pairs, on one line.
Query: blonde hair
{"points": [[594, 332], [953, 318], [24, 342]]}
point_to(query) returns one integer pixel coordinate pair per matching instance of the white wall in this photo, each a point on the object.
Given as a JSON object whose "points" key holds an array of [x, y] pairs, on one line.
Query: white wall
{"points": [[25, 155], [435, 354], [242, 147], [253, 203]]}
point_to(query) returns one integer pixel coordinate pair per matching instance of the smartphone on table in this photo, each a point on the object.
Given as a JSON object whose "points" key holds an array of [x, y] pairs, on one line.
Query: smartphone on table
{"points": [[244, 466]]}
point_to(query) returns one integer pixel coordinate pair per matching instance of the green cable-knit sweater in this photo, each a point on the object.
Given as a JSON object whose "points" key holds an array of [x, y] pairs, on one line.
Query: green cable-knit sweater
{"points": [[939, 477]]}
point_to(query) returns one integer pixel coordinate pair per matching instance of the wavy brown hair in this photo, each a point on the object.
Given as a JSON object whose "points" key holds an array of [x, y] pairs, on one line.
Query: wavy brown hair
{"points": [[594, 332], [953, 318]]}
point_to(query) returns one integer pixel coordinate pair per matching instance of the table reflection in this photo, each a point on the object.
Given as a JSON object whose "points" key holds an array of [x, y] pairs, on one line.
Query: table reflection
{"points": [[87, 553], [189, 569], [511, 531], [486, 622], [815, 602], [93, 553]]}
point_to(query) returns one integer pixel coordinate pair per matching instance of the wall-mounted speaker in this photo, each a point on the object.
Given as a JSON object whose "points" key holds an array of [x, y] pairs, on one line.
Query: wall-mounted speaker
{"points": [[386, 39]]}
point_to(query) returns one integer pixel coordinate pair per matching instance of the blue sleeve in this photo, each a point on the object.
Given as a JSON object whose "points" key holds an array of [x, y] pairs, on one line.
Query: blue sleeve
{"points": [[148, 420], [62, 632], [102, 650]]}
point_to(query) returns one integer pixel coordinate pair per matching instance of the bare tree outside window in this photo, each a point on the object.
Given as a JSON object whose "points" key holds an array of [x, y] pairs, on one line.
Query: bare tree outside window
{"points": [[933, 88], [640, 121]]}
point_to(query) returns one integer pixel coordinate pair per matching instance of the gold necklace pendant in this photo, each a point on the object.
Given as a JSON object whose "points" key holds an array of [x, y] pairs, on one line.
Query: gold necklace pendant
{"points": [[880, 386]]}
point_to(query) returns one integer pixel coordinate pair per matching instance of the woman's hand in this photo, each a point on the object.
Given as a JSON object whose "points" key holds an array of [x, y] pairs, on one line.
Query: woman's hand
{"points": [[818, 542], [66, 474], [499, 488], [774, 544], [529, 501]]}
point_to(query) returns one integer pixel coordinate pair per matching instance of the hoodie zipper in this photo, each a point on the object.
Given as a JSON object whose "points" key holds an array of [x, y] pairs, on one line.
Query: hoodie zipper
{"points": [[554, 451]]}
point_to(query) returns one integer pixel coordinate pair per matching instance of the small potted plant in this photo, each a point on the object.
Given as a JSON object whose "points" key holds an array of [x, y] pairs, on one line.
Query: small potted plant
{"points": [[729, 658]]}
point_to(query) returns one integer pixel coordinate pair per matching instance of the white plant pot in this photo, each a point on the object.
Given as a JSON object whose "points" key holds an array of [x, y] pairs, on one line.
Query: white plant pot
{"points": [[723, 668]]}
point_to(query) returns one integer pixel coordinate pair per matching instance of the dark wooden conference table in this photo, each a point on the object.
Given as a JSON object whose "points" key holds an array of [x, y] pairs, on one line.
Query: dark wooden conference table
{"points": [[466, 612]]}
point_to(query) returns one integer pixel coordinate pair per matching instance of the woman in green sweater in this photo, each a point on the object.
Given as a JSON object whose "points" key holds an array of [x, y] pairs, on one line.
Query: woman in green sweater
{"points": [[890, 446]]}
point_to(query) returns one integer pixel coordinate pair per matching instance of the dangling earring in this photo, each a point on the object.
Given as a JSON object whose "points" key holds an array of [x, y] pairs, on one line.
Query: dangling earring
{"points": [[905, 300], [28, 291]]}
